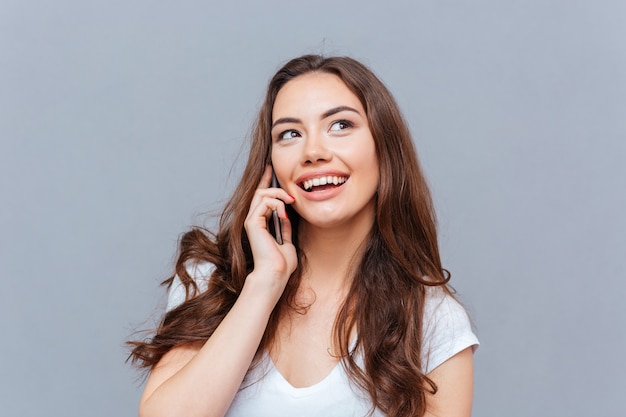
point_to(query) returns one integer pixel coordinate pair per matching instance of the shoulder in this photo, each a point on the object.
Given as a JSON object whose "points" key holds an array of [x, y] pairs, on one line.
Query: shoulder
{"points": [[200, 272], [447, 329]]}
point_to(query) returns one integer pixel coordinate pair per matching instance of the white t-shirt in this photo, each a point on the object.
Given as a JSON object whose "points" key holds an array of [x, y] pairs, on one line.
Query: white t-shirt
{"points": [[266, 393]]}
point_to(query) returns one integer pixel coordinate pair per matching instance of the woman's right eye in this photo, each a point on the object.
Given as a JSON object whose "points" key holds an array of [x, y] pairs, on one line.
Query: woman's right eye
{"points": [[288, 134]]}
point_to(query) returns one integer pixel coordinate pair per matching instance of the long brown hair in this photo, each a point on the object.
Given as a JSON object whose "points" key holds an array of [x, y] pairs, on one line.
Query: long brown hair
{"points": [[386, 298]]}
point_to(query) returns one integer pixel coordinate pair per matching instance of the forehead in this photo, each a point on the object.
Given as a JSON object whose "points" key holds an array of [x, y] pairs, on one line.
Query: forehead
{"points": [[313, 93]]}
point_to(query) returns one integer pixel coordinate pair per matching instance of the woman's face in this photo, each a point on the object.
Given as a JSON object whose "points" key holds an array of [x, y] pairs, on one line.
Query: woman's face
{"points": [[323, 152]]}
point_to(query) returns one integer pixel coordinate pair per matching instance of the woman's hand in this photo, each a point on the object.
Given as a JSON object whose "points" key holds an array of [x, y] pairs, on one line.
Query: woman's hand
{"points": [[273, 263], [179, 385]]}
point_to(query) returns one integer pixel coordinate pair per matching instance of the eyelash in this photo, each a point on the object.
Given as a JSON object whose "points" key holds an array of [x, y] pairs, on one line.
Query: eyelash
{"points": [[346, 123], [282, 134]]}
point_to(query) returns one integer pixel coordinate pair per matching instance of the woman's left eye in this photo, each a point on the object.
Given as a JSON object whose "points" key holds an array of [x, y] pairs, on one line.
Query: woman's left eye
{"points": [[340, 125]]}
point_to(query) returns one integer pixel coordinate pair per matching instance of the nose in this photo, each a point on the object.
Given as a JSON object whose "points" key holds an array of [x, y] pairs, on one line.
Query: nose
{"points": [[315, 150]]}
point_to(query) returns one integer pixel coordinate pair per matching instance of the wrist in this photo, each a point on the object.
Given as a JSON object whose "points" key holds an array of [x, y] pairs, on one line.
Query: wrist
{"points": [[259, 289]]}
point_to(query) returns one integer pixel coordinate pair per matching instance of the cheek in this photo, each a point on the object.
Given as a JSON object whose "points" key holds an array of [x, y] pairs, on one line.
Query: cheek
{"points": [[369, 163], [278, 160], [282, 168], [363, 157]]}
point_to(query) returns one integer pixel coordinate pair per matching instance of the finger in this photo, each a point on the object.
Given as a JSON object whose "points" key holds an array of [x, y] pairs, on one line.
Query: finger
{"points": [[261, 211], [265, 203], [263, 196], [286, 229]]}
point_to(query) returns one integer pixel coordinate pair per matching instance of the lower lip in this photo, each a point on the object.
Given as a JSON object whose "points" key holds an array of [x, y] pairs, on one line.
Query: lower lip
{"points": [[322, 194]]}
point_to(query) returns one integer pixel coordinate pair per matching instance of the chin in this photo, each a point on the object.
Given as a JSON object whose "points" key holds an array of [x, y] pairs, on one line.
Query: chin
{"points": [[337, 220], [322, 223]]}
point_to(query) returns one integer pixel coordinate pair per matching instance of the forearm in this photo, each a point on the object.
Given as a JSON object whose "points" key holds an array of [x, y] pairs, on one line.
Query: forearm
{"points": [[203, 382], [206, 384]]}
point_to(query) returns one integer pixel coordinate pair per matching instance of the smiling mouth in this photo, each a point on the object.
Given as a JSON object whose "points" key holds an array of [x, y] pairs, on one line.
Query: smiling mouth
{"points": [[322, 183]]}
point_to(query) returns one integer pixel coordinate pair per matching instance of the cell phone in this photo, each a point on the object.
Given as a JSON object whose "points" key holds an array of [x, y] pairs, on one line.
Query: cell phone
{"points": [[275, 225]]}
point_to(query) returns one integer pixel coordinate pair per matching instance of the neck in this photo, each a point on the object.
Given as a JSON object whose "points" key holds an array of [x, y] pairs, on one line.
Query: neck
{"points": [[332, 254]]}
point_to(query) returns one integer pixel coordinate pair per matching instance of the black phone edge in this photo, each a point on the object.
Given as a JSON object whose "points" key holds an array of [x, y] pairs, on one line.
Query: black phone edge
{"points": [[277, 229]]}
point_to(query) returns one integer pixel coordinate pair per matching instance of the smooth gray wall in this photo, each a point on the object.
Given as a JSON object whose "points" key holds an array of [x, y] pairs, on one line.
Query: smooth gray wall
{"points": [[120, 123]]}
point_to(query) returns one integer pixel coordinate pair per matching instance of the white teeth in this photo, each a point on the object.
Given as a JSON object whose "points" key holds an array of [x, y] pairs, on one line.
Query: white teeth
{"points": [[315, 182]]}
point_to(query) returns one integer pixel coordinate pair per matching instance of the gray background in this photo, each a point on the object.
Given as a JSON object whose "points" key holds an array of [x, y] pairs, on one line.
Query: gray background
{"points": [[121, 124]]}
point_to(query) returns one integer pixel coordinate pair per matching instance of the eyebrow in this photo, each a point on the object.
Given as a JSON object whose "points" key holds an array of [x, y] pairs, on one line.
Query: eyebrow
{"points": [[336, 110], [326, 114], [285, 120]]}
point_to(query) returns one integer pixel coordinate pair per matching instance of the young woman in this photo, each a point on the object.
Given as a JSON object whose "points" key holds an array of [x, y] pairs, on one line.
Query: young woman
{"points": [[351, 315]]}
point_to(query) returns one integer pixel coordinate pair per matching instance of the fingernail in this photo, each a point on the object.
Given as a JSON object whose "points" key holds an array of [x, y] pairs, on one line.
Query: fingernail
{"points": [[292, 197]]}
